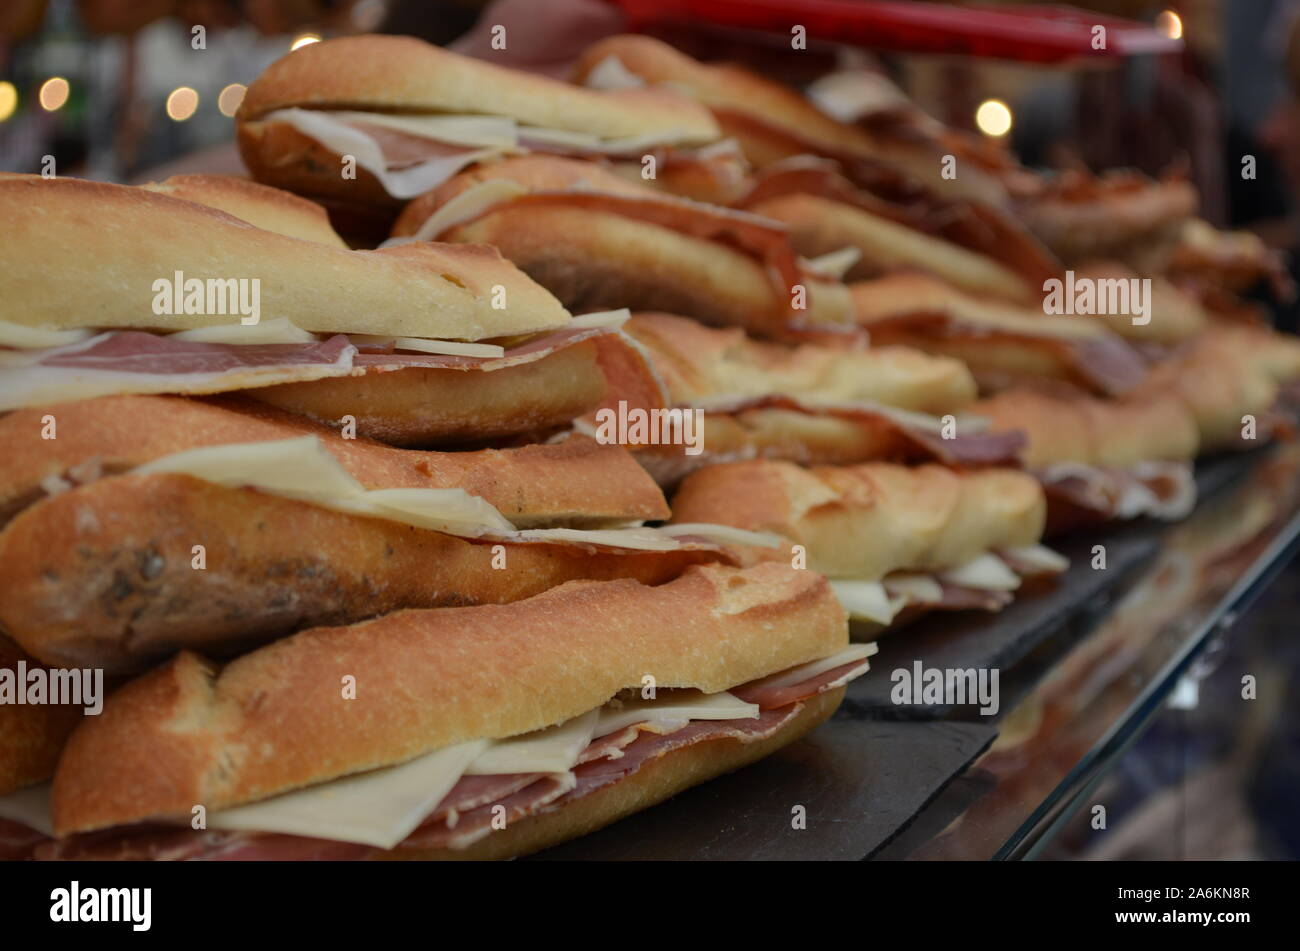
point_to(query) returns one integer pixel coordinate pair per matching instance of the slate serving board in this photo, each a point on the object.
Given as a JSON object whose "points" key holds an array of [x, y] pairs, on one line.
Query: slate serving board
{"points": [[861, 782]]}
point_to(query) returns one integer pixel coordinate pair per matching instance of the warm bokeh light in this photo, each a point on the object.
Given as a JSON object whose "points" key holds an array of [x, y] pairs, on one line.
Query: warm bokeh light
{"points": [[1170, 24], [307, 39], [8, 100], [54, 93], [993, 117], [230, 98], [182, 103]]}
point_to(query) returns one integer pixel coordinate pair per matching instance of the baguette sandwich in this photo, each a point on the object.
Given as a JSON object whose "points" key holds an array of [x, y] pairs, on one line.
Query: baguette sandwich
{"points": [[895, 541], [1002, 344], [473, 733], [597, 240], [364, 123], [967, 244], [773, 122], [421, 345], [1102, 459], [808, 403], [154, 524], [838, 184]]}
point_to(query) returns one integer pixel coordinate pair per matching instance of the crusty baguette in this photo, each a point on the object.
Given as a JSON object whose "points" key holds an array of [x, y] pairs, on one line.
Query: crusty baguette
{"points": [[406, 75], [271, 209], [652, 783], [31, 735], [104, 575], [419, 406], [998, 340], [1272, 352], [610, 242], [403, 74], [575, 482], [821, 226], [867, 520], [593, 260], [275, 720], [1069, 427], [1220, 385], [773, 122], [1122, 215], [424, 290], [699, 363]]}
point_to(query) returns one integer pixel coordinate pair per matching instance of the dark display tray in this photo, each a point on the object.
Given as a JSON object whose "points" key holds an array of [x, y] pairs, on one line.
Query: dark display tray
{"points": [[860, 781]]}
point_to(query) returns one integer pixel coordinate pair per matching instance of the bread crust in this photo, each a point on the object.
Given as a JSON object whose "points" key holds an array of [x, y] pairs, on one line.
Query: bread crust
{"points": [[420, 290], [654, 782], [699, 362], [867, 520], [574, 482], [274, 720], [403, 74], [820, 226], [593, 260], [271, 209], [726, 87], [31, 735], [1075, 428], [420, 406], [104, 575]]}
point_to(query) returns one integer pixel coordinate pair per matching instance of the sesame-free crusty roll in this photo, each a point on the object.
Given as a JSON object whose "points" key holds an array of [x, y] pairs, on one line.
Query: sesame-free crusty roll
{"points": [[574, 482], [1102, 459], [774, 122], [435, 685], [271, 209], [171, 524], [863, 522], [129, 238], [597, 240], [1002, 343], [412, 114]]}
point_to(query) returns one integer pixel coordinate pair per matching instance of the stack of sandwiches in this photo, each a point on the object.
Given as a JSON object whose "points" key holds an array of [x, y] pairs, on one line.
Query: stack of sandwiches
{"points": [[373, 535], [367, 502]]}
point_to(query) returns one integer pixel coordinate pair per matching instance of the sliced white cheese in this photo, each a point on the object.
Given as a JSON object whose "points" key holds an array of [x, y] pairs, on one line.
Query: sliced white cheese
{"points": [[678, 706], [724, 534], [379, 808], [985, 572], [421, 345], [473, 131], [304, 469], [600, 319], [554, 750], [914, 588], [797, 675], [452, 510], [297, 468], [832, 266], [1038, 557], [21, 337], [280, 330], [470, 204], [583, 143], [610, 74], [866, 600], [641, 539], [300, 468], [29, 807]]}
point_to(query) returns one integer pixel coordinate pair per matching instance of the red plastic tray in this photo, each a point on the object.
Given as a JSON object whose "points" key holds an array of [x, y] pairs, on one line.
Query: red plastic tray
{"points": [[1039, 34]]}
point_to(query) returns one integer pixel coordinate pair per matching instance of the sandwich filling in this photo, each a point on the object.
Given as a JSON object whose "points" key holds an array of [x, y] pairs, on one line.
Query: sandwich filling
{"points": [[40, 366], [456, 796], [411, 154]]}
